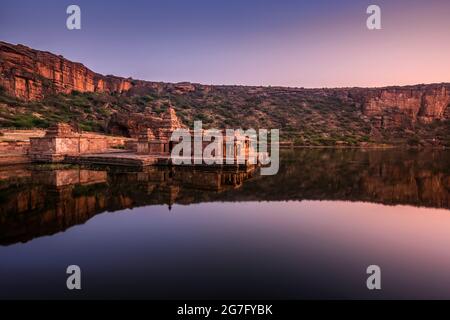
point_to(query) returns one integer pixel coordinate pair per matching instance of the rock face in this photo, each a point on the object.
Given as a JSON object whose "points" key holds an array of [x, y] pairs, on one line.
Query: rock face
{"points": [[422, 103], [133, 124], [30, 74]]}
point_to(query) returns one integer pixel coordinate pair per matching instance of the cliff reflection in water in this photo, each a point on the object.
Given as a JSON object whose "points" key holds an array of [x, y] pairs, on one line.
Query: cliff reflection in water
{"points": [[42, 200]]}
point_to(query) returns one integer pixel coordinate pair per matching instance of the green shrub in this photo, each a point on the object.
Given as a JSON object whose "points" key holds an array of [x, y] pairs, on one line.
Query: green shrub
{"points": [[29, 121]]}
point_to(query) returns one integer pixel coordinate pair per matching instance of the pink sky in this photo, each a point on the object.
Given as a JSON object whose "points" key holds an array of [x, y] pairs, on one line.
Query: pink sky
{"points": [[319, 43]]}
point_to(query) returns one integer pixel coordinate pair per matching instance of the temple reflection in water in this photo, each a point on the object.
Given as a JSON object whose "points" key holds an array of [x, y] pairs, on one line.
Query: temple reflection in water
{"points": [[43, 200]]}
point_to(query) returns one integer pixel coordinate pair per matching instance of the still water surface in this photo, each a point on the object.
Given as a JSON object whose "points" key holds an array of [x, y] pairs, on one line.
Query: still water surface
{"points": [[308, 232]]}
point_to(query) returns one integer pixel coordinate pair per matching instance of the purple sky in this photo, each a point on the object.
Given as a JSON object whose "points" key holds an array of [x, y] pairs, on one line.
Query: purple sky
{"points": [[290, 43]]}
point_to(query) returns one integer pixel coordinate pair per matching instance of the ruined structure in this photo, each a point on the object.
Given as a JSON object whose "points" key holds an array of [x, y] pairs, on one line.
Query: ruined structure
{"points": [[154, 147], [61, 140], [156, 139], [133, 124], [149, 144]]}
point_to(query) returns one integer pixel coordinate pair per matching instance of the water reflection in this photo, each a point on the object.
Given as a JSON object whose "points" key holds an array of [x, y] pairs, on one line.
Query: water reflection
{"points": [[43, 200], [231, 234], [408, 177]]}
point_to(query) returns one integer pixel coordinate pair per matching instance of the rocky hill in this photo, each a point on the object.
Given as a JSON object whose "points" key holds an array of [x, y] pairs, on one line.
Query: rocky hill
{"points": [[31, 74], [39, 88]]}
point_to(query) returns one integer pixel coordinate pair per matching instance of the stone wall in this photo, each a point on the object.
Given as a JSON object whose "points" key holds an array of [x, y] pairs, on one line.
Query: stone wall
{"points": [[56, 148], [17, 142], [14, 152], [21, 134], [120, 142], [14, 147], [60, 141]]}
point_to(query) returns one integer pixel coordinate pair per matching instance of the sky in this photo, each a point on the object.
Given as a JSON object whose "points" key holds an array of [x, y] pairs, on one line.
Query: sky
{"points": [[244, 42]]}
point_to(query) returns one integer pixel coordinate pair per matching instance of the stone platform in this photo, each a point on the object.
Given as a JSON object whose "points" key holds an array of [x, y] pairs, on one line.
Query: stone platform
{"points": [[131, 159], [118, 158]]}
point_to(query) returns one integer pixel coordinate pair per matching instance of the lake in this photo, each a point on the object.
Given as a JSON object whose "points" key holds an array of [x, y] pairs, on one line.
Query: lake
{"points": [[310, 231]]}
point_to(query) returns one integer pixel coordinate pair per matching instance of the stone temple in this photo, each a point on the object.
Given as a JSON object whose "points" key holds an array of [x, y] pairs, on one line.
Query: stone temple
{"points": [[149, 145], [61, 140], [156, 139]]}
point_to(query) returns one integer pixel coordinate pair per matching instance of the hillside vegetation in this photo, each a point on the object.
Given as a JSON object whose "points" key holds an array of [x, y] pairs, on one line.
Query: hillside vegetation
{"points": [[306, 117]]}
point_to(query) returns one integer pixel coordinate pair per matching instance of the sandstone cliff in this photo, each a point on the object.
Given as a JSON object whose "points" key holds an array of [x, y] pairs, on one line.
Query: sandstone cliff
{"points": [[31, 74], [391, 105]]}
